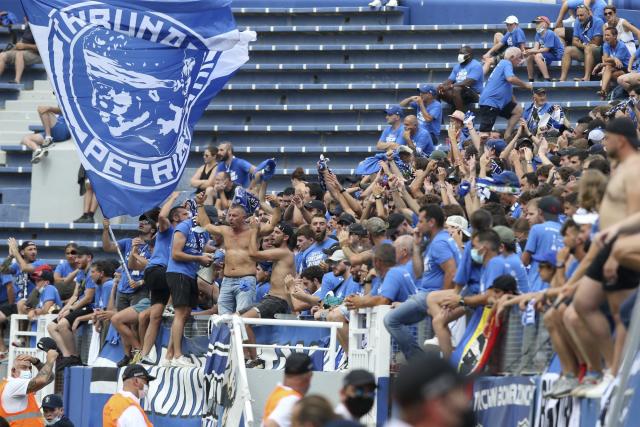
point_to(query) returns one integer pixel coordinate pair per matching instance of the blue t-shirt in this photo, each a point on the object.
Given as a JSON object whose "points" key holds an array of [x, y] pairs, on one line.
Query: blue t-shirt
{"points": [[472, 70], [498, 92], [516, 268], [390, 135], [49, 293], [162, 248], [423, 142], [396, 285], [442, 248], [543, 238], [88, 284], [347, 287], [620, 52], [125, 249], [262, 289], [239, 170], [597, 6], [495, 267], [329, 283], [468, 272], [591, 29], [22, 283], [64, 269], [191, 247], [314, 255], [550, 40], [409, 267], [435, 111], [514, 38], [103, 292]]}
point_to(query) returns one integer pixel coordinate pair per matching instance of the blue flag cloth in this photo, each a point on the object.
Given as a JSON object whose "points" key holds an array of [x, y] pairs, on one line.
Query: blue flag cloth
{"points": [[370, 164], [248, 201], [132, 79], [268, 169]]}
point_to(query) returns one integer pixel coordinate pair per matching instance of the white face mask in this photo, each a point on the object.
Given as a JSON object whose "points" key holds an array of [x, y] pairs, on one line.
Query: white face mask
{"points": [[144, 392], [26, 375], [540, 29], [52, 422], [461, 58]]}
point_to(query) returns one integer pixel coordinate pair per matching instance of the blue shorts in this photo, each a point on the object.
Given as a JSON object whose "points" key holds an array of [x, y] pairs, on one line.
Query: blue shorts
{"points": [[59, 132], [550, 57]]}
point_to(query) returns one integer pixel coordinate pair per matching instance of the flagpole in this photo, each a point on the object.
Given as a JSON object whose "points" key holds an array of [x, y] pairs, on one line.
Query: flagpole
{"points": [[124, 263]]}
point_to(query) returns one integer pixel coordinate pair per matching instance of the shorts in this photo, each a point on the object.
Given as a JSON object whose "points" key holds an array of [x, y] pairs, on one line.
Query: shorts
{"points": [[549, 57], [269, 307], [488, 115], [30, 57], [9, 309], [156, 279], [142, 305], [73, 315], [129, 300], [597, 57], [59, 132], [627, 279], [184, 290]]}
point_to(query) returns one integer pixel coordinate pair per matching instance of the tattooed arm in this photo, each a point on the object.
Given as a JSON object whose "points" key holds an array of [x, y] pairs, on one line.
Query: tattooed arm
{"points": [[45, 372]]}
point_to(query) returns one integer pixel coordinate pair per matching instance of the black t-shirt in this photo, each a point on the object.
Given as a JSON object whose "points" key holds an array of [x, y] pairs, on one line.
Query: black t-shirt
{"points": [[229, 194]]}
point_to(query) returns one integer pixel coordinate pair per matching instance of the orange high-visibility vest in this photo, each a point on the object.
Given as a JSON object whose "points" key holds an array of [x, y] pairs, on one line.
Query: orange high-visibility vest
{"points": [[28, 417], [276, 396], [114, 408]]}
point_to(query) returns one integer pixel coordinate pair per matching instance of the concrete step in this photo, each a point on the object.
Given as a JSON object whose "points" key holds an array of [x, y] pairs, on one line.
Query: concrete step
{"points": [[319, 16], [15, 195], [14, 212], [42, 85], [42, 95]]}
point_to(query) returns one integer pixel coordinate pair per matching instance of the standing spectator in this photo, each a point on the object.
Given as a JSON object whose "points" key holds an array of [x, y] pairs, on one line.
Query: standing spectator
{"points": [[514, 37], [417, 138], [66, 271], [202, 178], [626, 30], [464, 85], [315, 254], [24, 53], [497, 96], [357, 395], [585, 46], [392, 134], [547, 48], [428, 110], [238, 169], [123, 408], [53, 412], [55, 130], [615, 60], [298, 370]]}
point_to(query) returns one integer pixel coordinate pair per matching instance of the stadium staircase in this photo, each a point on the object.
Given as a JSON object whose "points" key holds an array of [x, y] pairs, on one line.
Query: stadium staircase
{"points": [[317, 82]]}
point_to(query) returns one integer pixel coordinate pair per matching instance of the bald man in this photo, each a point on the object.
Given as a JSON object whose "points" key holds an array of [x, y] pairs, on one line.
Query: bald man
{"points": [[416, 137]]}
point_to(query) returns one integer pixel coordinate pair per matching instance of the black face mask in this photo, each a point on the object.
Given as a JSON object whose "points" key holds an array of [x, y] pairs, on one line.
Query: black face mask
{"points": [[359, 406], [468, 418]]}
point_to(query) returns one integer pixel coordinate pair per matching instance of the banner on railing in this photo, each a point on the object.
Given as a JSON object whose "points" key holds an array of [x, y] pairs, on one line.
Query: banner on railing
{"points": [[504, 401]]}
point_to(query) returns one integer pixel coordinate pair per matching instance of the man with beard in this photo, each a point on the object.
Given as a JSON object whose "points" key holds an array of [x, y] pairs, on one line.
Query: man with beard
{"points": [[392, 134], [351, 282], [238, 287], [278, 300], [316, 253], [238, 169], [304, 241]]}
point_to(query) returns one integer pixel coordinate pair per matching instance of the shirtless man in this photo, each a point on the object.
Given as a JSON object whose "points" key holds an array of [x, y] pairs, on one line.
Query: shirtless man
{"points": [[238, 288], [604, 279], [278, 300]]}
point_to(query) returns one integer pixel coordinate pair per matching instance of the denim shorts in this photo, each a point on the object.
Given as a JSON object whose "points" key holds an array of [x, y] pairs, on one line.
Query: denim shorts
{"points": [[236, 294]]}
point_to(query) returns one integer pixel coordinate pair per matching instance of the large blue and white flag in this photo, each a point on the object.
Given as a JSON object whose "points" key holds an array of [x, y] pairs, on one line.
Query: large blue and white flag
{"points": [[132, 77]]}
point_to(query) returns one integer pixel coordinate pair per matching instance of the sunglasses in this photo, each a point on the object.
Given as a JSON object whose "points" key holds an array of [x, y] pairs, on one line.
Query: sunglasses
{"points": [[71, 253], [145, 221], [608, 13]]}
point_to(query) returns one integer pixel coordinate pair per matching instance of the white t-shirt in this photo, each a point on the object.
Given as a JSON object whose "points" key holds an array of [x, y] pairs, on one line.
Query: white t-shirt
{"points": [[131, 417], [14, 396]]}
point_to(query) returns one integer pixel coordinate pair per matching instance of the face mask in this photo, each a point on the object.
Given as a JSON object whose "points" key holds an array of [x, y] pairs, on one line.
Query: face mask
{"points": [[26, 375], [359, 406], [476, 256], [144, 392], [52, 422], [540, 30], [461, 58]]}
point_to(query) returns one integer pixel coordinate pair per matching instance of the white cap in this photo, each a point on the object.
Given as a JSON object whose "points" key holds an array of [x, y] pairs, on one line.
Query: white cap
{"points": [[405, 149], [583, 216], [511, 19], [338, 256], [460, 223], [596, 135]]}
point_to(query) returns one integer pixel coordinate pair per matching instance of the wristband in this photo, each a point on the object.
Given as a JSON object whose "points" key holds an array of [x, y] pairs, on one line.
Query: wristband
{"points": [[461, 302]]}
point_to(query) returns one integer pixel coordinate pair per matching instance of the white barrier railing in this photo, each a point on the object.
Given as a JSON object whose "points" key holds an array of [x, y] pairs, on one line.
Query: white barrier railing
{"points": [[41, 331]]}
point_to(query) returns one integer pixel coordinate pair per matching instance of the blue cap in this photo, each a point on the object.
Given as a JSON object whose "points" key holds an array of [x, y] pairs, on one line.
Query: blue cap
{"points": [[507, 178], [427, 88], [497, 144], [52, 401], [394, 109], [547, 258]]}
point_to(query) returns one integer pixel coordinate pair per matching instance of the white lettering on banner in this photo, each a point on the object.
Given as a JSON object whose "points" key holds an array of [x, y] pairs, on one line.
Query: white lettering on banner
{"points": [[504, 395]]}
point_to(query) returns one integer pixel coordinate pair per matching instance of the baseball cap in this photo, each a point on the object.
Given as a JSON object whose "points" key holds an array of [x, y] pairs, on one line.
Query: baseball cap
{"points": [[338, 256], [496, 144], [359, 377], [506, 234], [507, 178], [458, 115], [297, 364], [550, 207], [511, 19], [52, 401], [357, 229], [375, 225], [460, 223], [136, 371], [597, 149], [624, 127], [524, 142], [548, 257], [266, 266], [404, 149], [540, 19], [539, 90], [331, 249], [438, 155], [425, 376], [596, 135], [394, 109], [506, 283], [26, 244], [427, 88], [395, 219], [43, 272], [346, 218], [315, 204], [583, 216]]}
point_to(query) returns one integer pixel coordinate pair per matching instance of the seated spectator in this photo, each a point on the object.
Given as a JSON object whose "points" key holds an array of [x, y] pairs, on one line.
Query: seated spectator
{"points": [[626, 31], [202, 178], [416, 137], [497, 96], [24, 53], [585, 45], [49, 301], [66, 271], [572, 6], [547, 48], [389, 3], [615, 60], [392, 134], [541, 111], [55, 130], [514, 37], [464, 85], [239, 170], [428, 110]]}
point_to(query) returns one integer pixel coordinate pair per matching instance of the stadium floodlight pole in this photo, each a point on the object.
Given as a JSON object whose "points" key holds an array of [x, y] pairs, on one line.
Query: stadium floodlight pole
{"points": [[629, 355], [124, 263]]}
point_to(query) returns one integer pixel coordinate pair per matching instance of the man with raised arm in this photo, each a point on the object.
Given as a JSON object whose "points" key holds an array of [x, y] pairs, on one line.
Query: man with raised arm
{"points": [[278, 300], [238, 287]]}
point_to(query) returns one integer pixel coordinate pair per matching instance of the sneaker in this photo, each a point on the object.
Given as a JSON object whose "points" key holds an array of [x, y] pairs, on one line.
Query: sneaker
{"points": [[392, 3], [587, 382], [375, 3], [183, 362], [37, 156], [165, 363], [255, 363], [562, 387], [124, 361], [147, 360], [431, 342], [47, 141], [597, 391]]}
